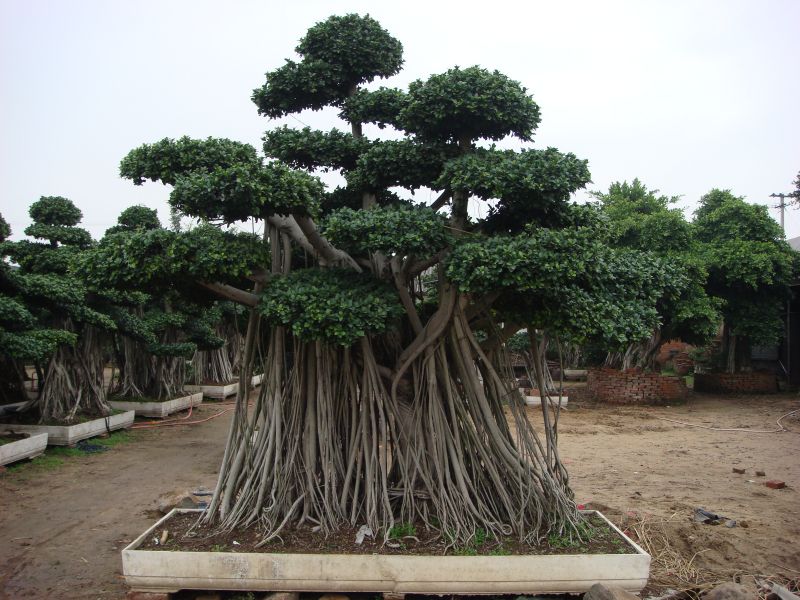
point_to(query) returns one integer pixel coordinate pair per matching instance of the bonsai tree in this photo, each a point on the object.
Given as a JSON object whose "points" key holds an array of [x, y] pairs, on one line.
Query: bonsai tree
{"points": [[71, 379], [23, 339], [638, 218], [160, 324], [750, 267], [385, 383]]}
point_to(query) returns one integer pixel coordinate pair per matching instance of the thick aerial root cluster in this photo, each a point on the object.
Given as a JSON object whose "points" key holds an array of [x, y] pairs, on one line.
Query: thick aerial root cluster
{"points": [[334, 440], [73, 381]]}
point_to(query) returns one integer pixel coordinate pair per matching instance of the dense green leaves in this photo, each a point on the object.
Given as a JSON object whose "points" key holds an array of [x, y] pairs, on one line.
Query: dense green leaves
{"points": [[136, 218], [403, 163], [311, 149], [168, 159], [469, 104], [749, 264], [567, 282], [381, 106], [332, 305], [55, 210], [396, 230], [338, 54]]}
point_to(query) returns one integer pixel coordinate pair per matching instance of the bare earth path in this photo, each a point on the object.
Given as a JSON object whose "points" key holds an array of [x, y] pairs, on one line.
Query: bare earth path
{"points": [[61, 529]]}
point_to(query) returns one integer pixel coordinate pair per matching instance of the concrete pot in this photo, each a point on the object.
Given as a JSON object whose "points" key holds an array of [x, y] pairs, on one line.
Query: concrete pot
{"points": [[216, 392], [170, 571], [554, 400], [158, 409], [575, 373], [69, 435], [31, 447]]}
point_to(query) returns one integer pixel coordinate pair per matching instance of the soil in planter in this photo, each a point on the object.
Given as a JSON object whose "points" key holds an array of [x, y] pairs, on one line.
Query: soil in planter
{"points": [[8, 438], [404, 539], [146, 398], [32, 418], [217, 383]]}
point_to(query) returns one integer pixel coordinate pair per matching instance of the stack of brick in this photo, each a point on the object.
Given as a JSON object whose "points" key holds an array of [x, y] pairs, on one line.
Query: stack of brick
{"points": [[634, 386], [675, 352], [753, 382]]}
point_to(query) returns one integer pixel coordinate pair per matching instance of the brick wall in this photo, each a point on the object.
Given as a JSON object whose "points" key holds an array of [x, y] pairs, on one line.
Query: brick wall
{"points": [[754, 382], [635, 387]]}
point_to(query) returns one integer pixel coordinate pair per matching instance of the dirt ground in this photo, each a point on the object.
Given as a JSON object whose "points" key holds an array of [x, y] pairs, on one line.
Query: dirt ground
{"points": [[62, 528]]}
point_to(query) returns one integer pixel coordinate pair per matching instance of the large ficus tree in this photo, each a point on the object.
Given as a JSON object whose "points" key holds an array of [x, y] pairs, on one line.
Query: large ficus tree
{"points": [[636, 217], [750, 267], [385, 384]]}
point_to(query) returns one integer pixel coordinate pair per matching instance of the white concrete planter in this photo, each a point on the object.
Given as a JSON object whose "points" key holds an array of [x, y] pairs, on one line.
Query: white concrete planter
{"points": [[69, 435], [217, 392], [575, 373], [30, 447], [257, 379], [169, 571], [554, 400], [158, 409]]}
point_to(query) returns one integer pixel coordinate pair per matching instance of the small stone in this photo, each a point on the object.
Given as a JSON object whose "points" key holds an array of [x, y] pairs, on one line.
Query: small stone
{"points": [[739, 471], [775, 484], [744, 524], [608, 592], [760, 474], [727, 591]]}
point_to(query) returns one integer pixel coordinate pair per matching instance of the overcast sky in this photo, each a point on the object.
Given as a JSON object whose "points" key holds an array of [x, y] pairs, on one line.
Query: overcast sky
{"points": [[684, 95]]}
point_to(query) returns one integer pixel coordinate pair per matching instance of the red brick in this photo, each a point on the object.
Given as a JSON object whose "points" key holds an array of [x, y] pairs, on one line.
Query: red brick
{"points": [[775, 484]]}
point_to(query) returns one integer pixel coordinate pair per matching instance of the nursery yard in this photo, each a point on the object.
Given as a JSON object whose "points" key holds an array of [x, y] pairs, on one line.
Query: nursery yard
{"points": [[63, 525]]}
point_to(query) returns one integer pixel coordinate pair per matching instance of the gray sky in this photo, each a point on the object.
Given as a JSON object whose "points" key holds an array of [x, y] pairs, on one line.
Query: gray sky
{"points": [[686, 96]]}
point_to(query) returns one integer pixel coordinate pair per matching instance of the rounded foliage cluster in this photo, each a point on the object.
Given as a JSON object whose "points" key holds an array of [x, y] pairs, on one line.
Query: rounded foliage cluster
{"points": [[55, 210], [333, 305], [399, 230], [338, 54], [469, 104]]}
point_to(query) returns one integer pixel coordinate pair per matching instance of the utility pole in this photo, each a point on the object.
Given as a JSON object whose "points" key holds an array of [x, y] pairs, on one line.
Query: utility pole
{"points": [[782, 206], [787, 334]]}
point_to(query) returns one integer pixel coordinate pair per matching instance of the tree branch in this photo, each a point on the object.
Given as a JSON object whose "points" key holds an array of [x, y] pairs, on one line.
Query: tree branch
{"points": [[327, 251], [231, 293], [443, 199]]}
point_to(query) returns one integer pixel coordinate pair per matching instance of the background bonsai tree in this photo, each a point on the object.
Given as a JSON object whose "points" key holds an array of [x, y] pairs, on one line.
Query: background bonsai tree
{"points": [[160, 324], [750, 267], [637, 218], [385, 384], [23, 339], [71, 380]]}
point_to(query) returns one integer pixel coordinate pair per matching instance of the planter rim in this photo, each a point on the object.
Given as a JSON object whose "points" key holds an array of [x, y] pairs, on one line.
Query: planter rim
{"points": [[171, 570]]}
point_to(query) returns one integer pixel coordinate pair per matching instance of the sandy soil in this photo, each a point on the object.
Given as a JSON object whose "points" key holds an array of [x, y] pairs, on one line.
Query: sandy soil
{"points": [[62, 528]]}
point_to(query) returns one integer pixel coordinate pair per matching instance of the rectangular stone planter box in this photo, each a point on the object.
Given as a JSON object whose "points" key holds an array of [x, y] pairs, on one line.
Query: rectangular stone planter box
{"points": [[554, 400], [30, 447], [216, 392], [575, 373], [158, 409], [170, 571], [69, 435], [257, 379]]}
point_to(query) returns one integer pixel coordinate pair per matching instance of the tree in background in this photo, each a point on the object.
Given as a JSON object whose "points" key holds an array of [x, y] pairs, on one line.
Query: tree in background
{"points": [[23, 338], [750, 267], [385, 381], [161, 324], [71, 380], [638, 218]]}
